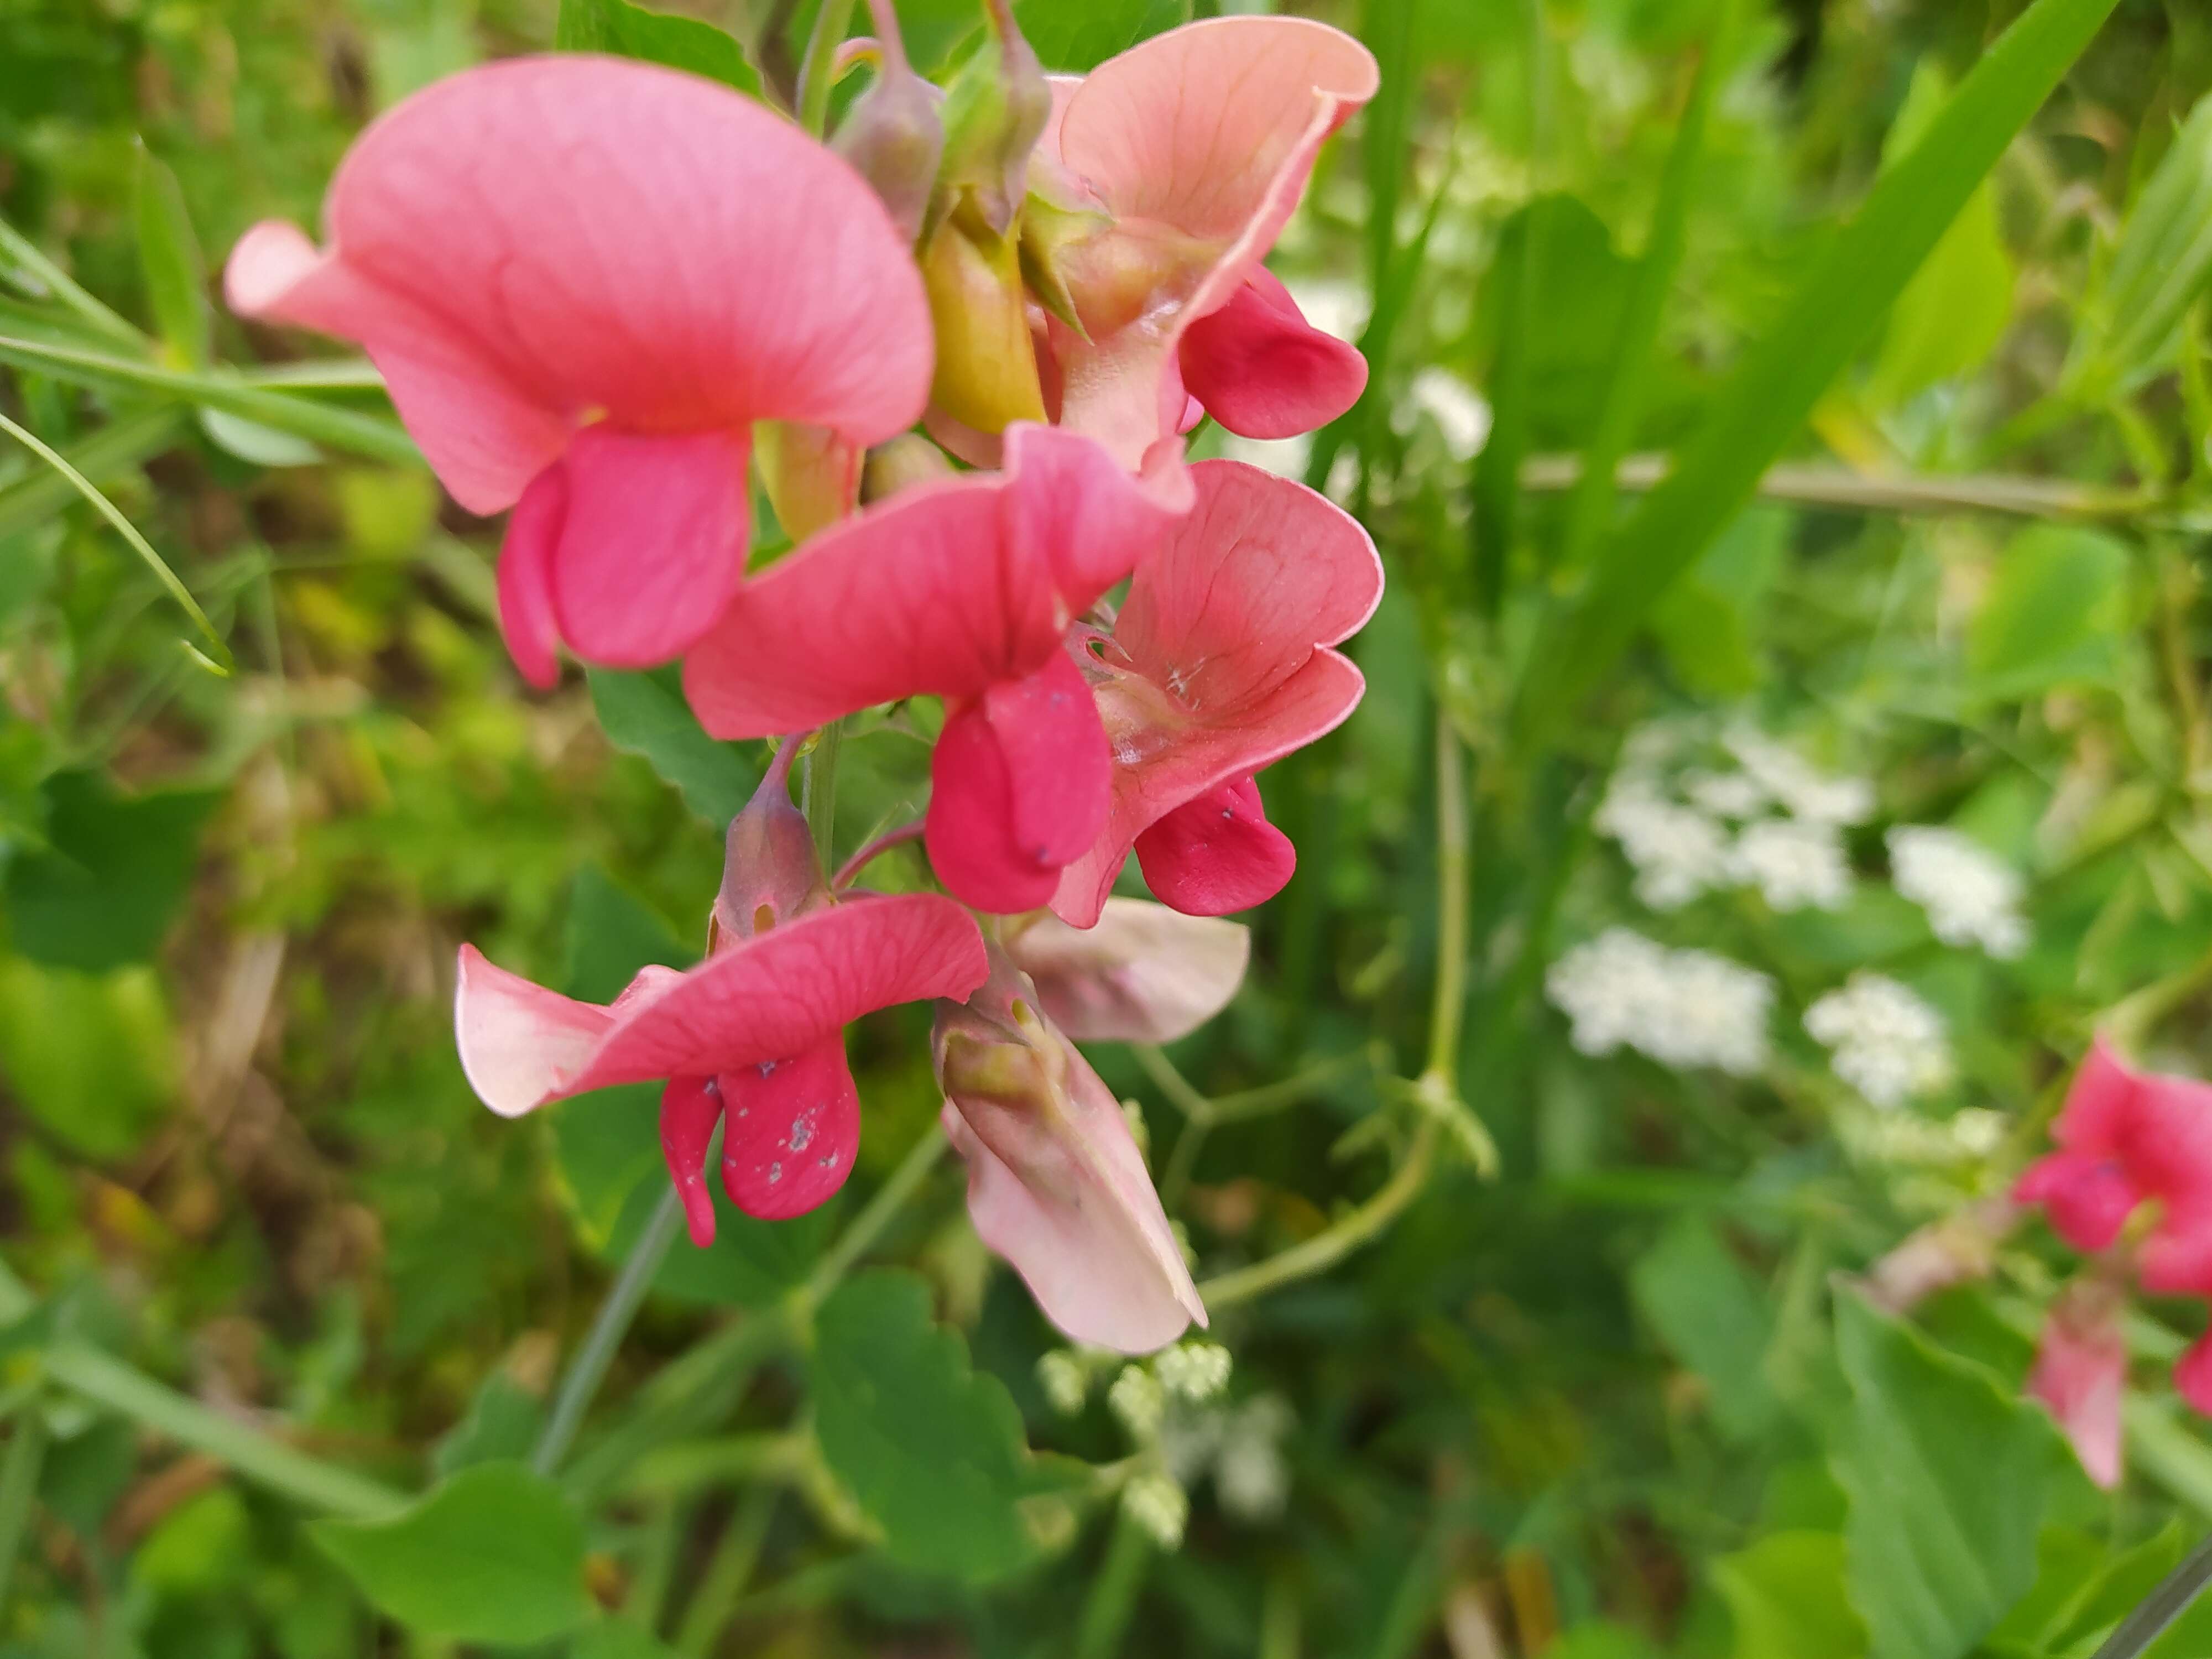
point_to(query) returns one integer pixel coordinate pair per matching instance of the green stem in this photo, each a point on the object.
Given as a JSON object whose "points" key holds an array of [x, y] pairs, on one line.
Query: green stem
{"points": [[108, 1381], [19, 1485], [832, 24], [26, 254], [821, 790], [609, 1326], [737, 1552], [1450, 997], [868, 1226], [1113, 1598]]}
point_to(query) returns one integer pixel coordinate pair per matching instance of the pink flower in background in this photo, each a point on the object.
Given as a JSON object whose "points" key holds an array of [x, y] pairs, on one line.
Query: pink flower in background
{"points": [[1197, 144], [584, 279], [1218, 665], [961, 588], [1055, 1182], [2081, 1372], [752, 1038]]}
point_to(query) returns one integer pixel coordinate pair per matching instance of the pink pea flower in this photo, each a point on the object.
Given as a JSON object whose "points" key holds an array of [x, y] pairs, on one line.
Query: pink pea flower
{"points": [[1144, 974], [752, 1039], [2081, 1372], [961, 588], [1197, 144], [584, 280], [1055, 1182], [1218, 665]]}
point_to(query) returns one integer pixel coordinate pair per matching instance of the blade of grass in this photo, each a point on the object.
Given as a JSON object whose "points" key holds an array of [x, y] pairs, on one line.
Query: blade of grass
{"points": [[1635, 345], [318, 374], [83, 486], [121, 443], [341, 429], [19, 250], [1835, 311]]}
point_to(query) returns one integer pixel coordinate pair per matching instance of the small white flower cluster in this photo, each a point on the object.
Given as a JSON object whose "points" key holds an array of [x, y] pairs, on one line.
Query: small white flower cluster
{"points": [[1682, 848], [1242, 1448], [1159, 1507], [1882, 1039], [1683, 1008], [1065, 1383], [1971, 896], [1138, 1399], [1966, 1137], [1195, 1371]]}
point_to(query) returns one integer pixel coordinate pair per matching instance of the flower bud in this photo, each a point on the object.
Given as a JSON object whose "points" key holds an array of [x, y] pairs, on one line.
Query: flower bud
{"points": [[769, 871], [994, 113], [893, 135], [987, 368], [905, 460], [811, 474]]}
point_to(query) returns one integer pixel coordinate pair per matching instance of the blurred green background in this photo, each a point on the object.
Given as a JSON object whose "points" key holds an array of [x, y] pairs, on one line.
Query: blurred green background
{"points": [[1615, 1399]]}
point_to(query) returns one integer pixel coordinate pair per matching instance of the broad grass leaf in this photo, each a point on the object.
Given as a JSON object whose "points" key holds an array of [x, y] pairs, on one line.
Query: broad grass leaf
{"points": [[492, 1554], [2164, 262], [170, 262]]}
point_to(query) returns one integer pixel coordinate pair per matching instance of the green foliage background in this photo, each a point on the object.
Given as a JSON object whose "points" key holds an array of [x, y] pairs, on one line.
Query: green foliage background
{"points": [[283, 1306]]}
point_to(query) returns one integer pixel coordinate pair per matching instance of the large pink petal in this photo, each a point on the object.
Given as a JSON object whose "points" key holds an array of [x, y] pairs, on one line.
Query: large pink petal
{"points": [[529, 243], [1217, 854], [1262, 371], [790, 1128], [2100, 1102], [1144, 974], [1198, 142], [771, 999], [2081, 1369], [944, 590], [2088, 1199]]}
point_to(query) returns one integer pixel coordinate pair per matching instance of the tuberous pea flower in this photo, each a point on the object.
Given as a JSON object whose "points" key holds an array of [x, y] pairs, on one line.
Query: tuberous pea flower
{"points": [[1218, 665], [1144, 974], [1196, 144], [585, 280], [752, 1039], [1055, 1182], [961, 588]]}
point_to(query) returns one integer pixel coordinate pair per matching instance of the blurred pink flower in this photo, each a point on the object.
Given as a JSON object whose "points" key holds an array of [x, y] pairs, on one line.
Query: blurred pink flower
{"points": [[584, 280], [1197, 144], [961, 588], [1055, 1182], [2081, 1369], [1218, 665]]}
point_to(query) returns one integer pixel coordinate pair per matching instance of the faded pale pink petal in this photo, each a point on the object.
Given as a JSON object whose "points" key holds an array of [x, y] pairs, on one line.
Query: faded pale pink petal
{"points": [[1056, 1183], [1218, 663], [1261, 370], [1144, 974], [2081, 1370], [1020, 780], [790, 1128], [771, 999], [1218, 853], [943, 590], [691, 1107], [1198, 141]]}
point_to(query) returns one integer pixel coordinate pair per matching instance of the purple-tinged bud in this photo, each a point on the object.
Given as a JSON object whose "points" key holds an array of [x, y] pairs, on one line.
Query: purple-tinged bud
{"points": [[770, 873], [893, 134], [995, 111]]}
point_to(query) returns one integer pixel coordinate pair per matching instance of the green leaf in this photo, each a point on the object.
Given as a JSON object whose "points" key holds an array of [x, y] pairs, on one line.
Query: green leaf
{"points": [[645, 714], [1786, 1594], [1947, 1475], [492, 1554], [621, 30], [1834, 311], [501, 1423], [1713, 1314], [89, 1057], [932, 1452], [611, 1639], [2164, 261], [170, 260], [203, 1543], [1954, 310], [113, 873], [1076, 36], [2055, 613], [1707, 623]]}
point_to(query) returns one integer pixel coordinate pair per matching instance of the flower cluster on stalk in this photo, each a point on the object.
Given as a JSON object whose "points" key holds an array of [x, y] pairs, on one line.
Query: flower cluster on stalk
{"points": [[611, 297]]}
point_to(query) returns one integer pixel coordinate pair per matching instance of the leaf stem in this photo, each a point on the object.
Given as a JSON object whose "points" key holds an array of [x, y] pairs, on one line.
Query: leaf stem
{"points": [[609, 1326], [19, 1485], [105, 1380]]}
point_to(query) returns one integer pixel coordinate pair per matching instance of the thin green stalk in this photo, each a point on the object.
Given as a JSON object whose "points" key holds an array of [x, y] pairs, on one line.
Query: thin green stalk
{"points": [[1113, 1598], [105, 1380], [1181, 1092], [821, 791], [19, 1485], [831, 25], [26, 253], [722, 1587], [123, 443], [145, 549], [1450, 1002], [2161, 1607], [688, 1396], [609, 1326], [868, 1226]]}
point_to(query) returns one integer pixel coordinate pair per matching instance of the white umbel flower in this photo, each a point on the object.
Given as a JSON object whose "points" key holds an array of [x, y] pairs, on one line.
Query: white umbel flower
{"points": [[1801, 789], [1159, 1507], [1727, 794], [1062, 1380], [1971, 896], [1882, 1038], [1192, 1370], [1683, 1008], [1796, 864], [1459, 412], [1677, 851], [1137, 1399]]}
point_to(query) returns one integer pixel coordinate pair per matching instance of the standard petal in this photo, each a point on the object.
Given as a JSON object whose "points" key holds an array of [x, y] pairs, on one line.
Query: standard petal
{"points": [[528, 243], [652, 544], [1262, 371], [2088, 1199], [1144, 974], [943, 591], [790, 1131], [1217, 854], [519, 1041], [2100, 1102]]}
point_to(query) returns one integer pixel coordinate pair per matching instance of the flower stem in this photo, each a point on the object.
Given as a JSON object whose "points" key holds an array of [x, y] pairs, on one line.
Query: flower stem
{"points": [[1450, 996], [832, 24], [849, 871], [105, 1380], [19, 1485], [609, 1326], [821, 792]]}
